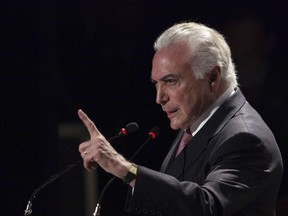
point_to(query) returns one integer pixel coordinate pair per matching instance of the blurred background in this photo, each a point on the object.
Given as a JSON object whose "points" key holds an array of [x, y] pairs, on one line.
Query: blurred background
{"points": [[59, 56]]}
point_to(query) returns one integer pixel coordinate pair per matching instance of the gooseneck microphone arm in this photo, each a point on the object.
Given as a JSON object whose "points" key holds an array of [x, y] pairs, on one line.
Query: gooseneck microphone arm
{"points": [[154, 132], [28, 209], [129, 128]]}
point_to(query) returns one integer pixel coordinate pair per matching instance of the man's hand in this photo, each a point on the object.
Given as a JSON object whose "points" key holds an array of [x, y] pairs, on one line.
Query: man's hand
{"points": [[99, 151]]}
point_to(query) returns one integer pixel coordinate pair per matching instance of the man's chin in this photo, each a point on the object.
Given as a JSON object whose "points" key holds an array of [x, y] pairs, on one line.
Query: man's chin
{"points": [[174, 125], [179, 125]]}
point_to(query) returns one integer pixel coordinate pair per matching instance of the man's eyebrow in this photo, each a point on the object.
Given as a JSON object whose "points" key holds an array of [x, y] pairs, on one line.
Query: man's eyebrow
{"points": [[172, 75], [164, 78]]}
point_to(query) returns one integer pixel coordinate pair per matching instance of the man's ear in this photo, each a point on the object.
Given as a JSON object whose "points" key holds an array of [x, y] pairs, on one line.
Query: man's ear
{"points": [[214, 78]]}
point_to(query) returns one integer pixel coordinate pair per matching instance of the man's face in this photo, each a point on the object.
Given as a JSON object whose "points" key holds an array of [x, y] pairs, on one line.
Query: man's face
{"points": [[181, 95]]}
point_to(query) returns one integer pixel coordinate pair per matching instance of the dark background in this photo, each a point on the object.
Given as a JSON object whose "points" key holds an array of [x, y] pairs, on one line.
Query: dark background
{"points": [[59, 56]]}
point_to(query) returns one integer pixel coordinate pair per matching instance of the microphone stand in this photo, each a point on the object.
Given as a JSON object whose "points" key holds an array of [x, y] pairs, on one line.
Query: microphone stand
{"points": [[28, 209], [152, 135]]}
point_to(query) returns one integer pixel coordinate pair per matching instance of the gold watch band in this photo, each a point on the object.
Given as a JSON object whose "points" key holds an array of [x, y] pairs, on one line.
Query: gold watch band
{"points": [[131, 175]]}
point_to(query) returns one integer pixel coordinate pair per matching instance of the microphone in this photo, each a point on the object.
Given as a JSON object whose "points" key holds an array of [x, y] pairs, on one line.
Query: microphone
{"points": [[129, 128], [153, 133]]}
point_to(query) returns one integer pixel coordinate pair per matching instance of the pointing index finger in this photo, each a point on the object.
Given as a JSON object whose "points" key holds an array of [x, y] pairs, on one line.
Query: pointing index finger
{"points": [[92, 129]]}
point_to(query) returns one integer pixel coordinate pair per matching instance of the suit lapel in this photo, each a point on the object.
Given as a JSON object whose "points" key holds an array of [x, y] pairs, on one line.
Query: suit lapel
{"points": [[193, 149], [171, 154]]}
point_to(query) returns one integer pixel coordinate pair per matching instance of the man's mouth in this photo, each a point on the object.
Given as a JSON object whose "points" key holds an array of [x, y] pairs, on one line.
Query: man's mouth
{"points": [[171, 113]]}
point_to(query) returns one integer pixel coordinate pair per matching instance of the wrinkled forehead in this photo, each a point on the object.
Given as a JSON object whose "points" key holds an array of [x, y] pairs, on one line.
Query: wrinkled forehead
{"points": [[170, 60]]}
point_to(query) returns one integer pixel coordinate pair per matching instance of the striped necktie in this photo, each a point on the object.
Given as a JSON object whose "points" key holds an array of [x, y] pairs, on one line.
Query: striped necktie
{"points": [[184, 140]]}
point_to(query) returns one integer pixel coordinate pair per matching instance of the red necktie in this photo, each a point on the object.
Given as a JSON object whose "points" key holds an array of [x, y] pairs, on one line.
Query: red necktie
{"points": [[184, 140]]}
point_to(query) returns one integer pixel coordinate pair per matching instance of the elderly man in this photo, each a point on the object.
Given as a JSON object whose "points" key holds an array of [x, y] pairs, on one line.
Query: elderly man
{"points": [[225, 160]]}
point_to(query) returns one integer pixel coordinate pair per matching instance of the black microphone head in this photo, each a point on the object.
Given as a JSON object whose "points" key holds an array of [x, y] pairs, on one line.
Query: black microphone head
{"points": [[129, 128], [154, 132]]}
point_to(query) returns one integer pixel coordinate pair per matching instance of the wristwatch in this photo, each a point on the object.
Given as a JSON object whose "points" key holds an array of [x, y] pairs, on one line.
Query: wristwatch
{"points": [[131, 175]]}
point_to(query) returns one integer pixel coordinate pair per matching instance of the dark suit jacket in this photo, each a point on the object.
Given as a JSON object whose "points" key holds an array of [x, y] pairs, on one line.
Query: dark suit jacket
{"points": [[232, 166]]}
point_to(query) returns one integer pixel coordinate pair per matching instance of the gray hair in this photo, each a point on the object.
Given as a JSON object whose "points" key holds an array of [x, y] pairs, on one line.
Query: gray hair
{"points": [[207, 49]]}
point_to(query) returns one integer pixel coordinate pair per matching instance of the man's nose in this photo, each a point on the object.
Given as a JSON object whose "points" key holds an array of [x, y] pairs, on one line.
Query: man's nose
{"points": [[161, 95]]}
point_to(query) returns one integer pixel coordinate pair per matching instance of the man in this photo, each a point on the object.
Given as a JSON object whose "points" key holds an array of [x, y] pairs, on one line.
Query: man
{"points": [[231, 164]]}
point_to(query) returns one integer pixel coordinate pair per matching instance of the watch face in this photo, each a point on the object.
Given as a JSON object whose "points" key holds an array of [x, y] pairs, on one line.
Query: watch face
{"points": [[133, 169]]}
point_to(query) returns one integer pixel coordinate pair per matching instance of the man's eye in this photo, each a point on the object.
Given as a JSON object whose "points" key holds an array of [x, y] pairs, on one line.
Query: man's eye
{"points": [[171, 81]]}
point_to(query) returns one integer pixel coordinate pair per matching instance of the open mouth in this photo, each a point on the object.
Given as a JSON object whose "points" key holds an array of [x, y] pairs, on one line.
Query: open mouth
{"points": [[171, 113]]}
